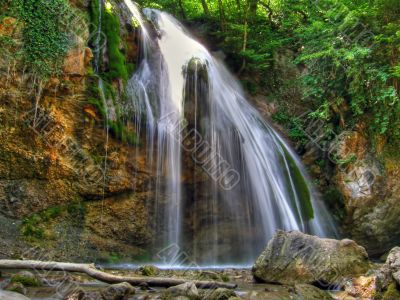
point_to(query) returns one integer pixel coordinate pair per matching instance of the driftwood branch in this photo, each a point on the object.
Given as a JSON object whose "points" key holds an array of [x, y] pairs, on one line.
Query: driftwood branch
{"points": [[91, 271]]}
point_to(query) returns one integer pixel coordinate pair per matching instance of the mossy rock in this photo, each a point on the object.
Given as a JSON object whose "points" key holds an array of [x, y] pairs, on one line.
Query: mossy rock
{"points": [[392, 293], [149, 270], [294, 258], [310, 292], [222, 294], [26, 279]]}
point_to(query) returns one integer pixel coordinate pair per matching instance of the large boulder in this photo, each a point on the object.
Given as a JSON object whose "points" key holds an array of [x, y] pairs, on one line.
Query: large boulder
{"points": [[294, 257]]}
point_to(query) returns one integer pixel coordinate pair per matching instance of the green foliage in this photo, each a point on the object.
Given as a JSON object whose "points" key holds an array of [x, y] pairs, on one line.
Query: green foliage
{"points": [[347, 51], [295, 126], [45, 33]]}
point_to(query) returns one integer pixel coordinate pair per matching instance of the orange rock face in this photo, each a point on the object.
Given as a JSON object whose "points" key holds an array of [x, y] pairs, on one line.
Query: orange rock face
{"points": [[77, 61]]}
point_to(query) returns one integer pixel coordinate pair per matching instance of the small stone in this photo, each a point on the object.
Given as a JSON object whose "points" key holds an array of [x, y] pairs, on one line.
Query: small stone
{"points": [[120, 291], [144, 286], [16, 287], [222, 294], [149, 270], [187, 289]]}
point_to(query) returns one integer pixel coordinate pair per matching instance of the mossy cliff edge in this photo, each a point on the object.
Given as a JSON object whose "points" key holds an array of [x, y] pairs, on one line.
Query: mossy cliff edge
{"points": [[67, 184]]}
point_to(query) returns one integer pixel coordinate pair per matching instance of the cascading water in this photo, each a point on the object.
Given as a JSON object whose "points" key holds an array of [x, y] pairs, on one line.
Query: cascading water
{"points": [[226, 180]]}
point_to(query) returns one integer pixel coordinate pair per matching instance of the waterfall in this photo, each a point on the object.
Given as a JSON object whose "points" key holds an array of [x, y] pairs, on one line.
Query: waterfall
{"points": [[226, 181]]}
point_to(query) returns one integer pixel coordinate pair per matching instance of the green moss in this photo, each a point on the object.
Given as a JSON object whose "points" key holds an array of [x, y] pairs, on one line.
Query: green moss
{"points": [[33, 227], [149, 270], [26, 280], [392, 293], [131, 67], [94, 11], [302, 190], [334, 199], [117, 64], [119, 131], [76, 209]]}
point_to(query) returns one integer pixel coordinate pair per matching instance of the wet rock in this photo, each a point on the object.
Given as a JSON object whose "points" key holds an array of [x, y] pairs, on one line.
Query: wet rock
{"points": [[86, 295], [120, 291], [222, 294], [310, 292], [75, 295], [362, 287], [293, 257], [187, 289], [144, 286], [6, 295]]}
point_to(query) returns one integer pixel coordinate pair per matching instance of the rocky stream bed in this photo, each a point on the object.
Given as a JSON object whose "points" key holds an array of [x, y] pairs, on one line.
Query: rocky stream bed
{"points": [[293, 266]]}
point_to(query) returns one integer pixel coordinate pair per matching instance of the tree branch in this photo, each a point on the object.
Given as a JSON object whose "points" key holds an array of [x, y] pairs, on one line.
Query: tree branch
{"points": [[91, 270]]}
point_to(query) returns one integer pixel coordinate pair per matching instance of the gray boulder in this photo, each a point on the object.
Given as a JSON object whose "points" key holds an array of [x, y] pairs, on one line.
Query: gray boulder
{"points": [[294, 257], [6, 295]]}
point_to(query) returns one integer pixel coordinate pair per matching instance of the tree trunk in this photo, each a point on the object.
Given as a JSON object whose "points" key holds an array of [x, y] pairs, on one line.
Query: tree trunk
{"points": [[221, 15], [91, 270], [205, 8], [245, 34], [253, 9], [182, 9]]}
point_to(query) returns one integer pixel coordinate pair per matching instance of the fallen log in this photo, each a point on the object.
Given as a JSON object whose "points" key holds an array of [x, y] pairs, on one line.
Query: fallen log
{"points": [[92, 271]]}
